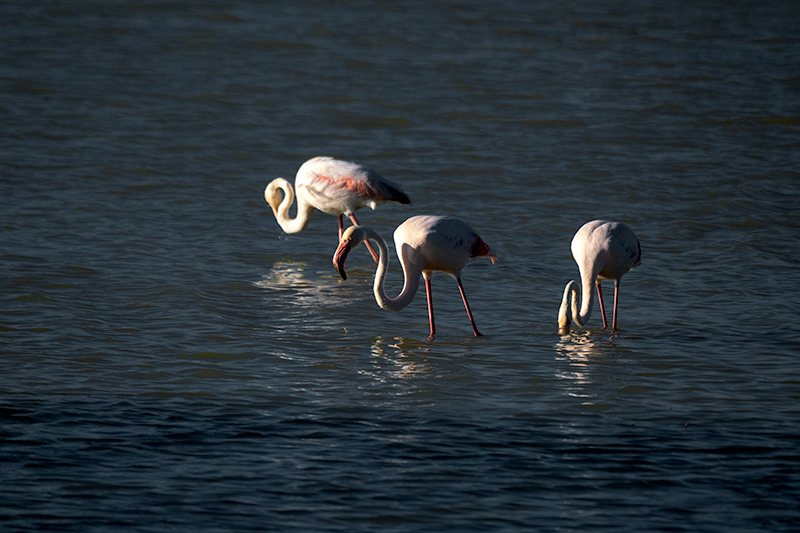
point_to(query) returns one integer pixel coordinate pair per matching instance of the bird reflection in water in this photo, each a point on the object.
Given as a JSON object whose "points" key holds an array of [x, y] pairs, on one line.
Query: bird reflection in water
{"points": [[303, 292], [285, 274], [581, 345], [584, 352], [406, 363]]}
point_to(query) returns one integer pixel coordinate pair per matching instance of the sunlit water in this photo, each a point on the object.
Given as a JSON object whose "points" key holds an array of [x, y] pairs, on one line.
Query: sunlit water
{"points": [[172, 361]]}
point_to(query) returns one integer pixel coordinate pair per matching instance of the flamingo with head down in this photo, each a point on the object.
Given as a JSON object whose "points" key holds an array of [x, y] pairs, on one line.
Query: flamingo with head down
{"points": [[424, 244], [333, 186], [603, 250]]}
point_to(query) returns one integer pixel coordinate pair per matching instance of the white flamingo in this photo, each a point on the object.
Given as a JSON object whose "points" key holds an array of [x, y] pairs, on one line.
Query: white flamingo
{"points": [[603, 250], [424, 244], [333, 186]]}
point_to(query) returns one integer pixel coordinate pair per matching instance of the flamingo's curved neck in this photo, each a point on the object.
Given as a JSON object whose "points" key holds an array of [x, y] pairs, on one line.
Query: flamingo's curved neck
{"points": [[569, 303], [411, 275], [304, 210]]}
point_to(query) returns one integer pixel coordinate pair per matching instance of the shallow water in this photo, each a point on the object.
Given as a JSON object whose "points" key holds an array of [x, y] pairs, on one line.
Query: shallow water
{"points": [[172, 360]]}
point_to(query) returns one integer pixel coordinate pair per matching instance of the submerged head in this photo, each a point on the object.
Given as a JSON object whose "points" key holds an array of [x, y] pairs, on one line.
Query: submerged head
{"points": [[352, 237], [563, 318], [568, 307]]}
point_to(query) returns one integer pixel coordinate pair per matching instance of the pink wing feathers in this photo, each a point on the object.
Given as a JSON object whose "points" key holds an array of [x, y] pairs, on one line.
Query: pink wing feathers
{"points": [[342, 186]]}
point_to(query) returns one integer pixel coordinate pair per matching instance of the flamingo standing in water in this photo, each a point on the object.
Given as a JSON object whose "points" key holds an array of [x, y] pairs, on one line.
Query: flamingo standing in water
{"points": [[334, 187], [603, 250], [424, 244]]}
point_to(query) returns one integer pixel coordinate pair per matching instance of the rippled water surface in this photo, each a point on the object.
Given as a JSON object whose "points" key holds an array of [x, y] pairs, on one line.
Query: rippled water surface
{"points": [[170, 360]]}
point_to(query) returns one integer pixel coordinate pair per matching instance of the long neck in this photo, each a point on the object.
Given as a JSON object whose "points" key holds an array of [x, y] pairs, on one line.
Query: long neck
{"points": [[569, 303], [410, 285], [304, 209]]}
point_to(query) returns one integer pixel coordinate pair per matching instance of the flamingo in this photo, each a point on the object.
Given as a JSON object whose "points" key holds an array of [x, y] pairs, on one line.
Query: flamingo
{"points": [[424, 244], [603, 250], [333, 186]]}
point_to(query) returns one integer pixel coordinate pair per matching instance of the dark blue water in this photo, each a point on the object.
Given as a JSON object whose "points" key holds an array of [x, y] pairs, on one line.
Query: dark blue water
{"points": [[170, 360]]}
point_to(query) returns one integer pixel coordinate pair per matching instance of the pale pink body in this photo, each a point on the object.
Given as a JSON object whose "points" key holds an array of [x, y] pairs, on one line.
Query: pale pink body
{"points": [[424, 244], [332, 186], [602, 250]]}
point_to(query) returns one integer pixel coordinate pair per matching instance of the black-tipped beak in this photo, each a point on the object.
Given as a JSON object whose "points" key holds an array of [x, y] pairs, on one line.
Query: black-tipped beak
{"points": [[340, 256]]}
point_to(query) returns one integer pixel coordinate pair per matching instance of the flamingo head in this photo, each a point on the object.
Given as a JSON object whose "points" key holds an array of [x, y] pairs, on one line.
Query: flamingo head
{"points": [[272, 194], [563, 319], [352, 237], [569, 307]]}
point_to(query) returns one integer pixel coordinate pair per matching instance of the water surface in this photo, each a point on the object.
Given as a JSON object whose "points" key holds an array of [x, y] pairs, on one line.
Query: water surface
{"points": [[172, 360]]}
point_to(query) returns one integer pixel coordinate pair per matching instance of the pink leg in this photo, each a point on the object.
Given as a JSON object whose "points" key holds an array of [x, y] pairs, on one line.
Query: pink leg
{"points": [[602, 308], [369, 244], [430, 307], [469, 313], [616, 296], [341, 227]]}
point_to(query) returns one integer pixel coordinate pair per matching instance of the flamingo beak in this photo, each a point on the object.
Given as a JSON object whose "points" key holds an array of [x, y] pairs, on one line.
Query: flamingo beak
{"points": [[340, 256]]}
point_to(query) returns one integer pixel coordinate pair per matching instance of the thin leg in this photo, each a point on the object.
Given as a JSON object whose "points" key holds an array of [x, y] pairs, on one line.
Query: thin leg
{"points": [[341, 227], [602, 308], [430, 306], [369, 244], [616, 297], [469, 313]]}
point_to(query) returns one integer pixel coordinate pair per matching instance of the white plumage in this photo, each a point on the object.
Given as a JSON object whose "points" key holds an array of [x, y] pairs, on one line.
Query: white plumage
{"points": [[603, 250], [333, 186], [424, 244]]}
